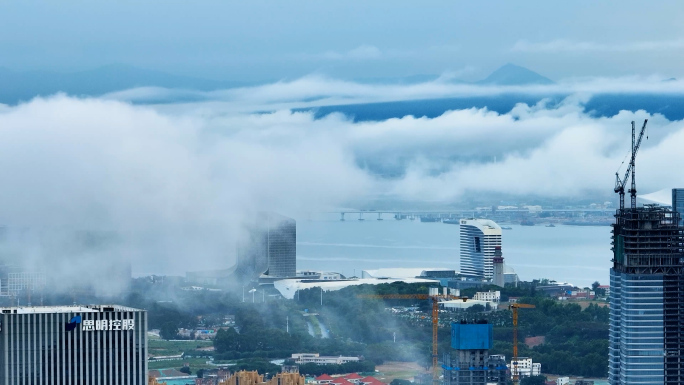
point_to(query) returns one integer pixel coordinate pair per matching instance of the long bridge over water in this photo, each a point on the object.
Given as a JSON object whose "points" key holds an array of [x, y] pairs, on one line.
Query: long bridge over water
{"points": [[463, 213]]}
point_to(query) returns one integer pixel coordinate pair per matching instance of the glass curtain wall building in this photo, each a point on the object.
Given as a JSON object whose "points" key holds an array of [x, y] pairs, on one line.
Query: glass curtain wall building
{"points": [[678, 202], [282, 246], [269, 248], [60, 345], [479, 241], [646, 298]]}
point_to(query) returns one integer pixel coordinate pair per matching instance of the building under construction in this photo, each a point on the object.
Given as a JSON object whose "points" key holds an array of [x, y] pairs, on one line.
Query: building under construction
{"points": [[647, 290], [469, 362], [647, 297]]}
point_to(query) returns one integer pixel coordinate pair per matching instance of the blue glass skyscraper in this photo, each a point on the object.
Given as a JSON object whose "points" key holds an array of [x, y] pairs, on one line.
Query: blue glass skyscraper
{"points": [[646, 298], [678, 202]]}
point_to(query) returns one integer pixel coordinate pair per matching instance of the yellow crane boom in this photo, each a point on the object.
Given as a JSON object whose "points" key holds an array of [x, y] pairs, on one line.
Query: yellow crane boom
{"points": [[435, 318], [514, 308]]}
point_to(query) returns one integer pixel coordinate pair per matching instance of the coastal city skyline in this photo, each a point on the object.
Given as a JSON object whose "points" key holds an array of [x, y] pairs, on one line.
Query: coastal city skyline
{"points": [[341, 193]]}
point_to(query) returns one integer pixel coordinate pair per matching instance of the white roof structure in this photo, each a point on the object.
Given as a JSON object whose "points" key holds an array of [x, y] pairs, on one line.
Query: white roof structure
{"points": [[487, 226], [399, 272], [288, 287], [64, 309]]}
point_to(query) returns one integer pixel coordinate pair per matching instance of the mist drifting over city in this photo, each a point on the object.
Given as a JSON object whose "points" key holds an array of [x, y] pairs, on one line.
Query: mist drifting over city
{"points": [[175, 180], [270, 193]]}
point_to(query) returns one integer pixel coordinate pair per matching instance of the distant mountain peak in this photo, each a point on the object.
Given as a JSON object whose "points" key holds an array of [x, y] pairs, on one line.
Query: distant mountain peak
{"points": [[514, 75]]}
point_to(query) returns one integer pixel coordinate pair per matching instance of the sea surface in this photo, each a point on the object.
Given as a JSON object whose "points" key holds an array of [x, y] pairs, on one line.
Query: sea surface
{"points": [[669, 105], [576, 254]]}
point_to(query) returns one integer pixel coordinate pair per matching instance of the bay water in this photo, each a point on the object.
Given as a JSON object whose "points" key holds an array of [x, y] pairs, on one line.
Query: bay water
{"points": [[576, 254]]}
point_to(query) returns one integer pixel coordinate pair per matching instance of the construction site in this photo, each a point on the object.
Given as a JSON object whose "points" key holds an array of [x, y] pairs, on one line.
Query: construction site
{"points": [[647, 287], [646, 305]]}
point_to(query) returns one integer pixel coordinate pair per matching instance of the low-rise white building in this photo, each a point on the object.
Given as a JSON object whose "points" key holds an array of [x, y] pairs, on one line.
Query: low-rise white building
{"points": [[460, 304], [319, 275], [315, 358], [489, 296], [562, 380], [525, 367]]}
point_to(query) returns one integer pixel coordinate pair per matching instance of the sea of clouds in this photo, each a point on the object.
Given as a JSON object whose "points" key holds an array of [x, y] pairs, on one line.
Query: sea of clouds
{"points": [[173, 180]]}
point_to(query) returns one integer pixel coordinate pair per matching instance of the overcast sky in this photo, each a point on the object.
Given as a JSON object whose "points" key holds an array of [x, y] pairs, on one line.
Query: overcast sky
{"points": [[258, 40], [175, 180]]}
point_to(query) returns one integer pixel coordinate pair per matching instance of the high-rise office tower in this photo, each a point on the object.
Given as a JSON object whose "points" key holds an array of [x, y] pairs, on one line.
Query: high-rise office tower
{"points": [[269, 248], [102, 344], [479, 239], [647, 297], [678, 202]]}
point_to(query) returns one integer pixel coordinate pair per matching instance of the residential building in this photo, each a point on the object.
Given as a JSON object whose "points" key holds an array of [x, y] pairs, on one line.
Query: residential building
{"points": [[315, 358], [525, 367], [479, 239], [17, 281], [646, 337], [354, 378], [88, 345], [254, 378], [341, 381], [286, 379], [244, 378], [371, 381], [469, 362], [323, 379], [489, 296], [562, 380], [213, 377], [578, 294]]}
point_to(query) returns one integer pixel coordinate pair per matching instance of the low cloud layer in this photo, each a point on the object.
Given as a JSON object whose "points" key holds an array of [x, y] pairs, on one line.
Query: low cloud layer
{"points": [[559, 46], [316, 90], [171, 183]]}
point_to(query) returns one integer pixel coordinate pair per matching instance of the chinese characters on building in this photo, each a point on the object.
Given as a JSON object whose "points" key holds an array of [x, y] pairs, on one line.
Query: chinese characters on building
{"points": [[124, 324]]}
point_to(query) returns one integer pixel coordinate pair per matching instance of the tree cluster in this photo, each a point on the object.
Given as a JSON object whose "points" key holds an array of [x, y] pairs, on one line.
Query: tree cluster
{"points": [[576, 339]]}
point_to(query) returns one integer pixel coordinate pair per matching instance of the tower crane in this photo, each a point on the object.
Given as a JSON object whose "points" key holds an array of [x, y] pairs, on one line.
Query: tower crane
{"points": [[514, 363], [435, 318], [620, 183]]}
